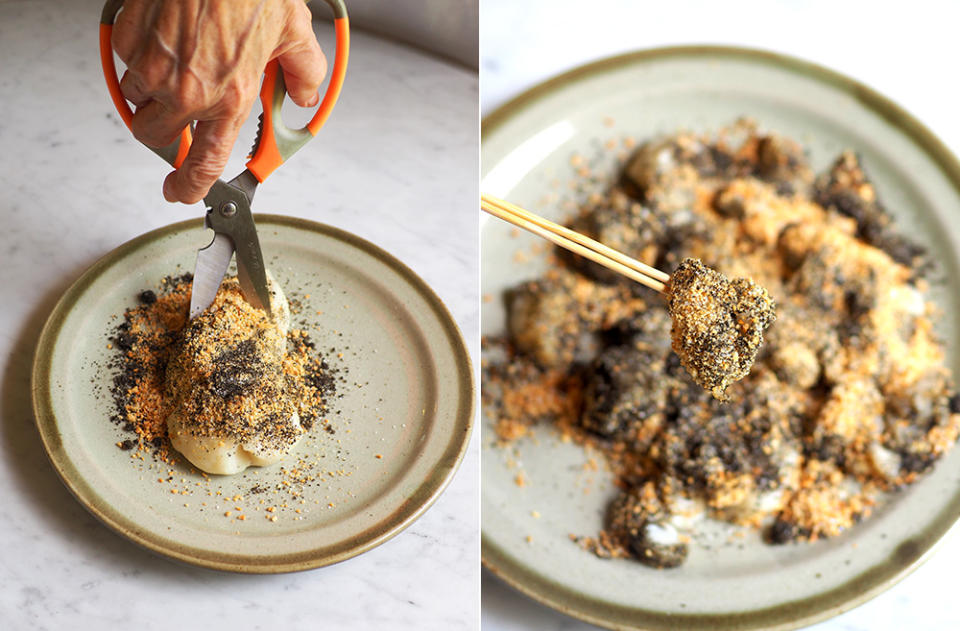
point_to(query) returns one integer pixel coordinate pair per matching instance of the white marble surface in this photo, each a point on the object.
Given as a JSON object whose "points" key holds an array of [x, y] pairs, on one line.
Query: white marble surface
{"points": [[75, 185], [907, 51]]}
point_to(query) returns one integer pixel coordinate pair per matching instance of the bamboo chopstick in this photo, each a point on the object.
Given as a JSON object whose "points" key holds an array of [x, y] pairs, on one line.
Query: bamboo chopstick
{"points": [[575, 242]]}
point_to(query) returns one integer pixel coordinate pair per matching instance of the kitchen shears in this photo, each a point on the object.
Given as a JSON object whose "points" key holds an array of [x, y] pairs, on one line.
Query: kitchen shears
{"points": [[228, 203]]}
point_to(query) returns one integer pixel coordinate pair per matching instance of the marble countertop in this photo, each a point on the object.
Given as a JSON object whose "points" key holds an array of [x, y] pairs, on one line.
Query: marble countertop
{"points": [[75, 185], [907, 54]]}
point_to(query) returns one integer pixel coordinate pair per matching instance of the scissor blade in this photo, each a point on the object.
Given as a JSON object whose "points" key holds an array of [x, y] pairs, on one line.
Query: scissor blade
{"points": [[252, 274], [212, 263], [229, 213]]}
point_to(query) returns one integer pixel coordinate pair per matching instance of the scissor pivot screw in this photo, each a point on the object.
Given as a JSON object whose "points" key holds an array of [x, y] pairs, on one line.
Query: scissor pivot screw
{"points": [[229, 209]]}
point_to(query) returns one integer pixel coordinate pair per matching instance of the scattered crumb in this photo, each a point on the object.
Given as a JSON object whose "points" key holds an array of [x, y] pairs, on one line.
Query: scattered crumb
{"points": [[848, 396]]}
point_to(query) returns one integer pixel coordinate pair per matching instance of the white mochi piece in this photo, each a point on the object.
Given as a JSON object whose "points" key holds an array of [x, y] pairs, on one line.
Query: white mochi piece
{"points": [[224, 455]]}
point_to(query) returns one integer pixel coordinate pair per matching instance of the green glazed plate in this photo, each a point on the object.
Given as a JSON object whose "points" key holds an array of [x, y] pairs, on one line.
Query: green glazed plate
{"points": [[731, 580], [402, 416]]}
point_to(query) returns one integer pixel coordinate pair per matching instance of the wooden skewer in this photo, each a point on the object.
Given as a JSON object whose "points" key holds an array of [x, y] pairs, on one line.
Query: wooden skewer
{"points": [[575, 242], [584, 240]]}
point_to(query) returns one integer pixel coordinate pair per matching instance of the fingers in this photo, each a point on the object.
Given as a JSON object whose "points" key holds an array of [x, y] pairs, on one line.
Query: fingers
{"points": [[132, 89], [205, 162], [176, 76], [157, 125], [304, 64], [128, 30]]}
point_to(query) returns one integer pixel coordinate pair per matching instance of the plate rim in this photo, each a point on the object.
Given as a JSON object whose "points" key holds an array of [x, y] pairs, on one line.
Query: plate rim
{"points": [[909, 554], [415, 505]]}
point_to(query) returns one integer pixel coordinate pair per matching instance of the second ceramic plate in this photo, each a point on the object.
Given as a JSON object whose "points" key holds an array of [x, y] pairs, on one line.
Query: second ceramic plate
{"points": [[733, 580], [401, 418]]}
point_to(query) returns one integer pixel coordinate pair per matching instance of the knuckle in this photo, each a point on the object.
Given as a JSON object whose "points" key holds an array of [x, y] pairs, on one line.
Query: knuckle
{"points": [[127, 85], [123, 38], [122, 45], [185, 96], [179, 100], [303, 19], [303, 10], [235, 94], [150, 76], [201, 175], [132, 87]]}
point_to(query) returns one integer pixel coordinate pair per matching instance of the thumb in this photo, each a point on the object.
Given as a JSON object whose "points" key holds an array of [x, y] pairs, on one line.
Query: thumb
{"points": [[304, 66]]}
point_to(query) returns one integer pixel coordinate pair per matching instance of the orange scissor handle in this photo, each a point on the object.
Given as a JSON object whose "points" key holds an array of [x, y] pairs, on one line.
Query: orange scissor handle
{"points": [[175, 152], [275, 142]]}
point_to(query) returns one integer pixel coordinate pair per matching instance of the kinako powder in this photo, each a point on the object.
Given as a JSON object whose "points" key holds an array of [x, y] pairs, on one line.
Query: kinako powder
{"points": [[145, 340], [849, 396], [718, 324]]}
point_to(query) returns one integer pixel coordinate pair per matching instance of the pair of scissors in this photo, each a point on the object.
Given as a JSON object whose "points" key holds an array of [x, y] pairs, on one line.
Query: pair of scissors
{"points": [[228, 203]]}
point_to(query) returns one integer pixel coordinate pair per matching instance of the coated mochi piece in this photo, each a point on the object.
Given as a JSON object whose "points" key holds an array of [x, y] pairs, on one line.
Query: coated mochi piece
{"points": [[233, 406], [718, 324]]}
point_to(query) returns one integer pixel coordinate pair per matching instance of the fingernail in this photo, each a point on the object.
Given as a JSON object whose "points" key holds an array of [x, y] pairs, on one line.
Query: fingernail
{"points": [[313, 100]]}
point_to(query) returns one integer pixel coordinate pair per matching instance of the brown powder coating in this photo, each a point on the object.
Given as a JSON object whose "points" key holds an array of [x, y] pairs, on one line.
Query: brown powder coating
{"points": [[848, 396], [218, 371], [718, 324], [227, 374]]}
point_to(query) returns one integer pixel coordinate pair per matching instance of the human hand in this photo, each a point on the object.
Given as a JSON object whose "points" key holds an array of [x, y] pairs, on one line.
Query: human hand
{"points": [[195, 60]]}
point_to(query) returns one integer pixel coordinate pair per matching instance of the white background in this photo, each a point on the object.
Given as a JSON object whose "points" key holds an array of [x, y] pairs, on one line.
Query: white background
{"points": [[909, 51]]}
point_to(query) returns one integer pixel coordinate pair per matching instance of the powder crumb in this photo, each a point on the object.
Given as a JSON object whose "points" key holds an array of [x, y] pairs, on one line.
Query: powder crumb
{"points": [[849, 395], [718, 324], [142, 340]]}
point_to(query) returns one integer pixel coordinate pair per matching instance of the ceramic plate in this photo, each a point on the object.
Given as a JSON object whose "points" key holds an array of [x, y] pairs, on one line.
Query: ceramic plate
{"points": [[402, 416], [731, 580]]}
